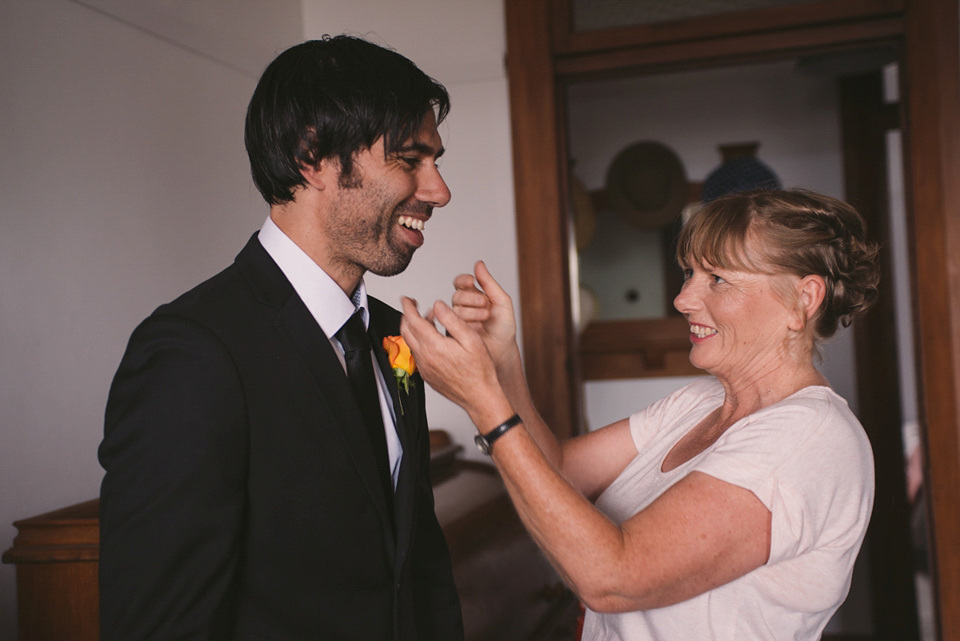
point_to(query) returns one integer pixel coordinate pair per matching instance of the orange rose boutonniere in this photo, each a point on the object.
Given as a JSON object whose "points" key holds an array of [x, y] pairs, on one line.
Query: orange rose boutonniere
{"points": [[401, 360]]}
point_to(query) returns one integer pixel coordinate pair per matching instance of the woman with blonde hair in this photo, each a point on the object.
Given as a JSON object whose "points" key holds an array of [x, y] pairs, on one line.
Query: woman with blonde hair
{"points": [[733, 508]]}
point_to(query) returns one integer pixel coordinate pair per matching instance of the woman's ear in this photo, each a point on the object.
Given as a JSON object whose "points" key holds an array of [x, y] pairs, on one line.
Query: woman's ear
{"points": [[811, 291]]}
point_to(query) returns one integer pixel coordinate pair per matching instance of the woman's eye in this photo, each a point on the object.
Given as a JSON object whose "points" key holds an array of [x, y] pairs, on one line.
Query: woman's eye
{"points": [[687, 273], [717, 279]]}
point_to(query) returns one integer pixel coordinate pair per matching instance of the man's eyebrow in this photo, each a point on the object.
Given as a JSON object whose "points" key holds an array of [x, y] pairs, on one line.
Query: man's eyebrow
{"points": [[422, 148]]}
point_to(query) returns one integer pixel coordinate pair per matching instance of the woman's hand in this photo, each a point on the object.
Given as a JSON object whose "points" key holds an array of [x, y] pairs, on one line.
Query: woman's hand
{"points": [[457, 365], [488, 310]]}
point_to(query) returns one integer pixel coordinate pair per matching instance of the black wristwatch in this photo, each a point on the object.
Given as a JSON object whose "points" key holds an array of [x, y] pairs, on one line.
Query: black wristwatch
{"points": [[485, 441]]}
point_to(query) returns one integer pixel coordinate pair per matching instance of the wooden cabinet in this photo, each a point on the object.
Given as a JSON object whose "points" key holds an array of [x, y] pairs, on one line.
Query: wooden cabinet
{"points": [[56, 555], [508, 590]]}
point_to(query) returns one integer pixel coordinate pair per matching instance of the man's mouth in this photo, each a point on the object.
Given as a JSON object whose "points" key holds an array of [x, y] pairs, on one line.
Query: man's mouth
{"points": [[411, 223]]}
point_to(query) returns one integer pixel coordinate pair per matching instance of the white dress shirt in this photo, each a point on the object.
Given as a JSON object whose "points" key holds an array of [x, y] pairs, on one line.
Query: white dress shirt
{"points": [[331, 308]]}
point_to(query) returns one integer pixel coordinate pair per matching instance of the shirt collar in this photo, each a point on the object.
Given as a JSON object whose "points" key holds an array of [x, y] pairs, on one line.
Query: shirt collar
{"points": [[327, 303]]}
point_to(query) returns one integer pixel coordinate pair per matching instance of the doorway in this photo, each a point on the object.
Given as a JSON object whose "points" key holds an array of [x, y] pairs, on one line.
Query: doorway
{"points": [[545, 54], [812, 122]]}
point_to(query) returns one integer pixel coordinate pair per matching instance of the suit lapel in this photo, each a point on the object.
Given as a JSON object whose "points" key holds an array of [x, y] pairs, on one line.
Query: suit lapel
{"points": [[409, 413], [308, 341]]}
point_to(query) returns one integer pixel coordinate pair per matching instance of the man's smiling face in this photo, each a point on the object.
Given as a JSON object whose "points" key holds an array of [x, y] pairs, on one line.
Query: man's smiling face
{"points": [[379, 216]]}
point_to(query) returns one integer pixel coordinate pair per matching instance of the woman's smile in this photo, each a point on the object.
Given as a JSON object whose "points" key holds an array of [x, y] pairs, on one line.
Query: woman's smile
{"points": [[737, 318]]}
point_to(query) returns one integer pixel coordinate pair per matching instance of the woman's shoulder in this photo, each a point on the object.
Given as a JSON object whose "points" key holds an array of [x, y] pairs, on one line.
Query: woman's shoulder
{"points": [[814, 422], [820, 408]]}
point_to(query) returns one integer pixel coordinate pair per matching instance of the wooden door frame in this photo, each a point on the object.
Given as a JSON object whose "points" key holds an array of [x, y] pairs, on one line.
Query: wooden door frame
{"points": [[865, 119], [931, 95], [541, 51]]}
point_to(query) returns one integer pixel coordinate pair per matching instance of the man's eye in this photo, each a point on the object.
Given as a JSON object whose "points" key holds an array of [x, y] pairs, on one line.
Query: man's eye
{"points": [[411, 161]]}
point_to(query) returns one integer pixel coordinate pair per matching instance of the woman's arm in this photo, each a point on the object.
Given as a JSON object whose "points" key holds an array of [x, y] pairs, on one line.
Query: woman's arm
{"points": [[699, 534]]}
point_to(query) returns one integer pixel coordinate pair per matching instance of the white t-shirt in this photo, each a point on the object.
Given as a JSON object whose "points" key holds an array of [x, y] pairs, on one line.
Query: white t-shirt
{"points": [[808, 460]]}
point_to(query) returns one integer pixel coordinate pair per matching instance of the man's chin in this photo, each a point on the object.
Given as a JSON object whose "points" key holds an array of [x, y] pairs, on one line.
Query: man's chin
{"points": [[394, 267]]}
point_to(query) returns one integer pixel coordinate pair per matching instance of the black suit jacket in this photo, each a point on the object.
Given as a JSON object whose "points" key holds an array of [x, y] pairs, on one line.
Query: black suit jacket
{"points": [[241, 500]]}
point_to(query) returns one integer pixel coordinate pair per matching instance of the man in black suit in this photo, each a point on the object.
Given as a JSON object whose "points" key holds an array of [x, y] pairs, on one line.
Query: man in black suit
{"points": [[244, 495]]}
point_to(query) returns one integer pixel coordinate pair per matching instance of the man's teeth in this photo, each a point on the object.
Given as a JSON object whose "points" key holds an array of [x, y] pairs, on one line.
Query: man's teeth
{"points": [[701, 331], [411, 222]]}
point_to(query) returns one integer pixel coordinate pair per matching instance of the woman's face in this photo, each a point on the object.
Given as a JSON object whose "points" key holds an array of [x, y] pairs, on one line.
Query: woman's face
{"points": [[739, 323]]}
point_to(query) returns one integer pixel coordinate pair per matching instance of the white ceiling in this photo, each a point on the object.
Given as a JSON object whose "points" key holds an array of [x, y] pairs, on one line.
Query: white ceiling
{"points": [[215, 29]]}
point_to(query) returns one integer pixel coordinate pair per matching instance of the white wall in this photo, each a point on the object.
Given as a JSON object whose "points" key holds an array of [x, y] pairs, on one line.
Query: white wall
{"points": [[123, 181], [463, 49]]}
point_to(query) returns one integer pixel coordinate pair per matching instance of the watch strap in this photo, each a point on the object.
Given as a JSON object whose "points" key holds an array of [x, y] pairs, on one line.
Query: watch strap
{"points": [[485, 441]]}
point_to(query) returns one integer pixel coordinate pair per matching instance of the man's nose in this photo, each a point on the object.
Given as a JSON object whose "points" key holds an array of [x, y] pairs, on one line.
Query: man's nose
{"points": [[432, 188]]}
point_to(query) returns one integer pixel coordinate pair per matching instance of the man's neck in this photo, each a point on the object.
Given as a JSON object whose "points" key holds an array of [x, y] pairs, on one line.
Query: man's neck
{"points": [[293, 219]]}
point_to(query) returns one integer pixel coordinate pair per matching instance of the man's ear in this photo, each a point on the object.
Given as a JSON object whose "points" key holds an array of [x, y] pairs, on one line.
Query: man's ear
{"points": [[322, 175]]}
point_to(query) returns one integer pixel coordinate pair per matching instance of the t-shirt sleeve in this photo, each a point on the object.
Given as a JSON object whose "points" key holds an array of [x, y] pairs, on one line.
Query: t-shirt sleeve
{"points": [[809, 463]]}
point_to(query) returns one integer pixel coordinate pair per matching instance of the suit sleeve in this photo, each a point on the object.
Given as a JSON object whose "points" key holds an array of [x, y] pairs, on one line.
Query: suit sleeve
{"points": [[438, 612], [172, 499]]}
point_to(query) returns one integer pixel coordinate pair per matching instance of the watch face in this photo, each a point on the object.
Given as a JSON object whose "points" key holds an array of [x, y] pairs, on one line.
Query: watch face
{"points": [[482, 444]]}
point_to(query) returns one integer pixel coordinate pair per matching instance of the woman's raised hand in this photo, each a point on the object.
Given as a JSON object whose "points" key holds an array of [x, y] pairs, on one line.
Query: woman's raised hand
{"points": [[488, 310], [457, 365]]}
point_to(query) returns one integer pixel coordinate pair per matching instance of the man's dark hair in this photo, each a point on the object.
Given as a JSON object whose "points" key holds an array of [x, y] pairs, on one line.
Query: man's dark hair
{"points": [[332, 98]]}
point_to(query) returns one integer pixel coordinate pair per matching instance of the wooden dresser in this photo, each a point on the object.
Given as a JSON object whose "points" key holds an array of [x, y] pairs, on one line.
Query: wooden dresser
{"points": [[507, 589]]}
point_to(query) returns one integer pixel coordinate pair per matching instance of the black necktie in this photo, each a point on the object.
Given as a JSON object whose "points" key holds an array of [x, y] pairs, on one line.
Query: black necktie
{"points": [[356, 352]]}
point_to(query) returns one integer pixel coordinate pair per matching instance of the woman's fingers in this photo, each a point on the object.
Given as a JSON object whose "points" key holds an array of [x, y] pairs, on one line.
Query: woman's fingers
{"points": [[457, 328], [410, 324], [490, 286], [470, 298], [471, 304], [464, 281], [456, 365], [420, 331], [417, 330]]}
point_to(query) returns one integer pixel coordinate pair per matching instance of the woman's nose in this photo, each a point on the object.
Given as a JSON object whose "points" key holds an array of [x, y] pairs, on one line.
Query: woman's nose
{"points": [[686, 300]]}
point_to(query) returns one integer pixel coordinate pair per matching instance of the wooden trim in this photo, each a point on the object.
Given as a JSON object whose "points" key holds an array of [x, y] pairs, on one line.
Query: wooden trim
{"points": [[636, 349], [70, 534], [723, 25], [561, 21], [547, 321], [639, 335], [864, 120], [930, 90], [733, 49]]}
